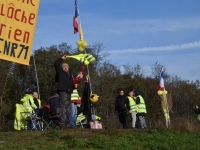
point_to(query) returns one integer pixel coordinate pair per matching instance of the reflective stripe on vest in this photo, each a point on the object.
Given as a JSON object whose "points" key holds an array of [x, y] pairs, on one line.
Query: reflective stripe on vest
{"points": [[141, 106], [132, 104], [74, 95]]}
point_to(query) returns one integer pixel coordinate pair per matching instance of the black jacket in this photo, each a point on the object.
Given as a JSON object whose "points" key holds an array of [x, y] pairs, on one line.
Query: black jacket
{"points": [[54, 103], [64, 80], [120, 103]]}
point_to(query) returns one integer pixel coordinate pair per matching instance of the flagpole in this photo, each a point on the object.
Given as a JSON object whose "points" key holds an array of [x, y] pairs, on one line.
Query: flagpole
{"points": [[79, 18], [36, 77], [165, 101]]}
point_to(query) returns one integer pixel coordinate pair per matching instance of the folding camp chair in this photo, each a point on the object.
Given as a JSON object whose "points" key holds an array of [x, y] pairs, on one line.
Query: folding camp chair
{"points": [[81, 120], [22, 118], [50, 117]]}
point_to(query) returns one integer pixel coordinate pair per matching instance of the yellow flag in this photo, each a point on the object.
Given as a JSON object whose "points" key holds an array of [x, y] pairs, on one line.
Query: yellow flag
{"points": [[17, 26], [81, 33]]}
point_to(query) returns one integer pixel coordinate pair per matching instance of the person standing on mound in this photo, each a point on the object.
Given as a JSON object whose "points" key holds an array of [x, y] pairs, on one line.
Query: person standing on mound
{"points": [[65, 86]]}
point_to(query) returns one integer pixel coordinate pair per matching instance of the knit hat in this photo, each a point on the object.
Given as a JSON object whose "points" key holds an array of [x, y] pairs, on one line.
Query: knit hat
{"points": [[137, 92], [65, 64]]}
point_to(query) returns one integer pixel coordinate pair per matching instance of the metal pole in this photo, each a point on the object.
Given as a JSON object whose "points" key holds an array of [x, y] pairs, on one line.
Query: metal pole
{"points": [[36, 77]]}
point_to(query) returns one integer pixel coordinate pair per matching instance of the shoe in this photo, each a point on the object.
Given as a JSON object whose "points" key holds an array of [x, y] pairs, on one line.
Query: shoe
{"points": [[134, 128]]}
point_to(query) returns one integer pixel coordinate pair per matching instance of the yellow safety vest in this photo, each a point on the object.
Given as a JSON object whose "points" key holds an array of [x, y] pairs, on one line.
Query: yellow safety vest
{"points": [[141, 106], [39, 102], [80, 118], [74, 95], [132, 104]]}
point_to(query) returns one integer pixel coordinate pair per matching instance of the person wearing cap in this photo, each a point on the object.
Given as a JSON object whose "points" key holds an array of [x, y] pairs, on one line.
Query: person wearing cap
{"points": [[141, 109], [65, 86], [28, 102], [29, 106]]}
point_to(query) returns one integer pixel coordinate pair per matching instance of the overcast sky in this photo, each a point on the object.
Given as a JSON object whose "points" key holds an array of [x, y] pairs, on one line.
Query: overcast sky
{"points": [[132, 31]]}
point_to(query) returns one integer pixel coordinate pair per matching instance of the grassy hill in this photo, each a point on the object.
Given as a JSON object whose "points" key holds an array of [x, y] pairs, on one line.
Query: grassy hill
{"points": [[106, 139]]}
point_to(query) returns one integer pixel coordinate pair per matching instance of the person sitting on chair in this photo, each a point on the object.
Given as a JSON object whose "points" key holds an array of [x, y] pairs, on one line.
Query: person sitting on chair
{"points": [[53, 101], [29, 106], [37, 102]]}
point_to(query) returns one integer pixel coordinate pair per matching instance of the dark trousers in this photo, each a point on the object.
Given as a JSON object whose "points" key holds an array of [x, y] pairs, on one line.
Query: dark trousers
{"points": [[122, 119], [65, 109]]}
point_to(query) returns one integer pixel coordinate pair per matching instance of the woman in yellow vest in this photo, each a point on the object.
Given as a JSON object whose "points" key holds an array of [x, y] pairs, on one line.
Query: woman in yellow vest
{"points": [[132, 107], [141, 109]]}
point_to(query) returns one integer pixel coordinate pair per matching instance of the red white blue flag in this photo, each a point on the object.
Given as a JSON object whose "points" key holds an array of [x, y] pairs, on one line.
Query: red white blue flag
{"points": [[162, 79], [75, 20]]}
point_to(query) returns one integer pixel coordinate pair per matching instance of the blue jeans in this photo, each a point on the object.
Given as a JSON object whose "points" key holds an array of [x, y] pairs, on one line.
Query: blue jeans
{"points": [[73, 115]]}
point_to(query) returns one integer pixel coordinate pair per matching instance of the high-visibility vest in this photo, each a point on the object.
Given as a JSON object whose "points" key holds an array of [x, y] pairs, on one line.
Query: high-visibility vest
{"points": [[28, 103], [87, 59], [132, 104], [141, 106], [20, 117], [75, 96], [39, 101], [80, 118], [97, 118]]}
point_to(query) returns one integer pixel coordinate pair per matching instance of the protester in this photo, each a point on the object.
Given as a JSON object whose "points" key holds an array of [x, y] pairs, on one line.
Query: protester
{"points": [[141, 109], [65, 87], [120, 108], [132, 107], [75, 100], [37, 102], [53, 102], [29, 106], [197, 111]]}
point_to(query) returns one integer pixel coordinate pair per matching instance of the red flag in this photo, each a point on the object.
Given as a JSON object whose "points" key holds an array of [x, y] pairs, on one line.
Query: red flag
{"points": [[75, 20]]}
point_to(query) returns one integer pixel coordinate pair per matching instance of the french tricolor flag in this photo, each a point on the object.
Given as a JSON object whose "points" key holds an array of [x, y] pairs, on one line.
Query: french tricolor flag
{"points": [[162, 79], [75, 20]]}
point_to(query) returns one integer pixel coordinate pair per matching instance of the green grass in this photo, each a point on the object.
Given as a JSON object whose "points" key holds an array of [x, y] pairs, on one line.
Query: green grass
{"points": [[109, 139]]}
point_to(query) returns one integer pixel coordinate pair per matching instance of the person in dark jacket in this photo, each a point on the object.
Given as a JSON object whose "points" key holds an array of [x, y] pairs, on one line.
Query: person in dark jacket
{"points": [[120, 108], [65, 87], [197, 111], [53, 102]]}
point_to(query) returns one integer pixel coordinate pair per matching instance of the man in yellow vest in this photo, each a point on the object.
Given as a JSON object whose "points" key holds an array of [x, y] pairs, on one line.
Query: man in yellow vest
{"points": [[132, 107], [141, 109], [75, 99], [28, 102], [37, 102]]}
